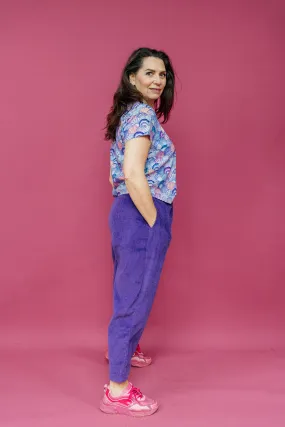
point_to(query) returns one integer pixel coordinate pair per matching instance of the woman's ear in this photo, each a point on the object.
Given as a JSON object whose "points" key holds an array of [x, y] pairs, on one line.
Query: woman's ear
{"points": [[132, 79]]}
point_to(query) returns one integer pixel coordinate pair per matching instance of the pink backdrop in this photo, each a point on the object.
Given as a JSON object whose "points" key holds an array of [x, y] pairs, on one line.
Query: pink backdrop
{"points": [[223, 283]]}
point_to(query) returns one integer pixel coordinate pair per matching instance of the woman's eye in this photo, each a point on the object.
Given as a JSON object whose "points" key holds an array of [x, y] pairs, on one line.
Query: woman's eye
{"points": [[150, 73]]}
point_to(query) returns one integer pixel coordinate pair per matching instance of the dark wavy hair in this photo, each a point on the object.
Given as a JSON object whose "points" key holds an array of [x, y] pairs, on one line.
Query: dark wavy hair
{"points": [[127, 93]]}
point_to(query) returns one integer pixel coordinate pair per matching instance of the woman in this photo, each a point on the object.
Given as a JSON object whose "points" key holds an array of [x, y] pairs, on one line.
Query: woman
{"points": [[143, 175]]}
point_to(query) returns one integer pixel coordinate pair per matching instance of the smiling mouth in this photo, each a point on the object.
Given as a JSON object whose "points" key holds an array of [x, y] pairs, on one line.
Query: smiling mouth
{"points": [[156, 90]]}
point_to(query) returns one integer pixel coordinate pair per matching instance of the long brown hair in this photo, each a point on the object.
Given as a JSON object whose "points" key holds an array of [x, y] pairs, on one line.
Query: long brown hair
{"points": [[127, 93]]}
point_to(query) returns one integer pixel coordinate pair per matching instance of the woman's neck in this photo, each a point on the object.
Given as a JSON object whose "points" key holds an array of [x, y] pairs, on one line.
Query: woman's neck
{"points": [[150, 102]]}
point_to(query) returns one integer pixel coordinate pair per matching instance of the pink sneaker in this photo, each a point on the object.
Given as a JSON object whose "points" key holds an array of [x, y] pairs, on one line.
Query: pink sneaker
{"points": [[139, 359], [131, 402]]}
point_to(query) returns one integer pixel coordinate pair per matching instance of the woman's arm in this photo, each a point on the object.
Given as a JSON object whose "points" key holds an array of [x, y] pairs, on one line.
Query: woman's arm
{"points": [[110, 178], [136, 152]]}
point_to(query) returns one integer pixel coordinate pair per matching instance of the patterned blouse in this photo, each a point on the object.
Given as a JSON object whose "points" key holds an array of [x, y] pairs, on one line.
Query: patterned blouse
{"points": [[160, 169]]}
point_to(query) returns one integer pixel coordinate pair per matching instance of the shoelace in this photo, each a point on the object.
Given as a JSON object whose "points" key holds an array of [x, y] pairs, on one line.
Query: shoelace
{"points": [[138, 352], [136, 392]]}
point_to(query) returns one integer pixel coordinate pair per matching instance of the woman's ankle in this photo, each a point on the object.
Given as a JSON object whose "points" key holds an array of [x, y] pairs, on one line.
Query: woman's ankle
{"points": [[117, 388]]}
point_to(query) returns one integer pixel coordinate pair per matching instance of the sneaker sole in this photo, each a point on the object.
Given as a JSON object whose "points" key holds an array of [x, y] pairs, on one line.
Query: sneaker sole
{"points": [[115, 410]]}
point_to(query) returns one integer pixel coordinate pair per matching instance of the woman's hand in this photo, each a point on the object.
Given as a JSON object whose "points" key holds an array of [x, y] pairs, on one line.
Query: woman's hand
{"points": [[153, 221]]}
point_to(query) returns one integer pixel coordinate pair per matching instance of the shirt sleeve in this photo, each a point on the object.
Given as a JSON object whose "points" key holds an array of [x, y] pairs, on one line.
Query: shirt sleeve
{"points": [[140, 123]]}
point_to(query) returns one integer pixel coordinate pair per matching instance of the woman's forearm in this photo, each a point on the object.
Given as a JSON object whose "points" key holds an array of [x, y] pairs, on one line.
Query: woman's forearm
{"points": [[140, 194], [111, 179]]}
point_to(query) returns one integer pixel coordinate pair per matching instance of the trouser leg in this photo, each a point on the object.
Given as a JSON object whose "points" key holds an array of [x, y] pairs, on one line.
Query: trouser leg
{"points": [[139, 253]]}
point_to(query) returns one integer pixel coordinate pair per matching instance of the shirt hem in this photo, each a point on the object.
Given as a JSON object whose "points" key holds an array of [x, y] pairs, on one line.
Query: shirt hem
{"points": [[161, 198]]}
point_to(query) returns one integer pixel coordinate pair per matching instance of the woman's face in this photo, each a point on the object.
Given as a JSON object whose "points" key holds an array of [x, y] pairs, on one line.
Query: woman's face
{"points": [[150, 79]]}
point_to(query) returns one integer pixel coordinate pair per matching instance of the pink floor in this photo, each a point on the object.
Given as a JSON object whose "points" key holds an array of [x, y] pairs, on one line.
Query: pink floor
{"points": [[61, 387]]}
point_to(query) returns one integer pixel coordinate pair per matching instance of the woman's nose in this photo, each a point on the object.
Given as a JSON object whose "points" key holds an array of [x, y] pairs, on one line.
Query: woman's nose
{"points": [[157, 81]]}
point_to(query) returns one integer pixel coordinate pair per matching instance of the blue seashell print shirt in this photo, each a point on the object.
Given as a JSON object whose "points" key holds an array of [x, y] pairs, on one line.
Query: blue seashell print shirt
{"points": [[160, 169]]}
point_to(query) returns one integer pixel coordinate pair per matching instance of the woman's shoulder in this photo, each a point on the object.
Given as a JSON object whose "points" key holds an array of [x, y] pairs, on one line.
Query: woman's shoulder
{"points": [[140, 109], [138, 115]]}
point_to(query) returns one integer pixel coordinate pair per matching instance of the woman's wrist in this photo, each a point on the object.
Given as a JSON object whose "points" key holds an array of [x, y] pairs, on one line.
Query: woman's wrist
{"points": [[140, 194], [153, 220]]}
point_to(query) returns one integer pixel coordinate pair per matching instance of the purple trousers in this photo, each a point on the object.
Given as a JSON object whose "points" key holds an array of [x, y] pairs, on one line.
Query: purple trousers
{"points": [[138, 254]]}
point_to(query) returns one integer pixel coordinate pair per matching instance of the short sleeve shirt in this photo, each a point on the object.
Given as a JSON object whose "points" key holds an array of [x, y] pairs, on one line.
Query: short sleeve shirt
{"points": [[160, 169]]}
